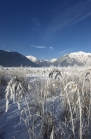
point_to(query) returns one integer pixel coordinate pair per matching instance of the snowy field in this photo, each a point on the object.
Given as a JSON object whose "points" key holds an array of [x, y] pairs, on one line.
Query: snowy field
{"points": [[45, 103]]}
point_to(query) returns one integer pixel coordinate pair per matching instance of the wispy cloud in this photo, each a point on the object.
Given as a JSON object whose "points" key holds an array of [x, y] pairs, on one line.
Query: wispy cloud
{"points": [[65, 18], [42, 47], [66, 51], [35, 25], [2, 47], [39, 47], [51, 48]]}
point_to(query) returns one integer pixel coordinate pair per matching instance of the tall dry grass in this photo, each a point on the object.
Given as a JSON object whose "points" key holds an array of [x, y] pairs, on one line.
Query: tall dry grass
{"points": [[74, 95]]}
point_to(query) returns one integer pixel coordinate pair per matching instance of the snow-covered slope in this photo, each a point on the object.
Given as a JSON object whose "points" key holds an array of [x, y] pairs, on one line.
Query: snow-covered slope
{"points": [[53, 60], [81, 56], [76, 58], [46, 63], [32, 58]]}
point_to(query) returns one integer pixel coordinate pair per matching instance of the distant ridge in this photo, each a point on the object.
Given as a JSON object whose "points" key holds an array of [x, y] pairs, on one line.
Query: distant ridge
{"points": [[77, 58], [45, 63], [15, 59]]}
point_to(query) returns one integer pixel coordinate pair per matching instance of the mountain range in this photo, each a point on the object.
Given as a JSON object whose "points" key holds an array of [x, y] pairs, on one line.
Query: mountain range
{"points": [[45, 63], [71, 59], [15, 59]]}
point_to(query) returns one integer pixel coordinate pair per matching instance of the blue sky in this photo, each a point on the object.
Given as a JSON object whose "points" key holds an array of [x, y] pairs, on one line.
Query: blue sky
{"points": [[45, 29]]}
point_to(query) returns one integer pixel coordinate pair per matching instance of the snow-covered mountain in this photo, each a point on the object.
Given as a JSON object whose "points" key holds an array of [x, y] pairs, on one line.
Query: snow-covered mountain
{"points": [[45, 63], [83, 57], [71, 59], [32, 58], [76, 58], [53, 60]]}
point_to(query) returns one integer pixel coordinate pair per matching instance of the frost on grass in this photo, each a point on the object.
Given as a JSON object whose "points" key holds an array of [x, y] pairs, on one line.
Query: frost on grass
{"points": [[60, 105], [15, 91]]}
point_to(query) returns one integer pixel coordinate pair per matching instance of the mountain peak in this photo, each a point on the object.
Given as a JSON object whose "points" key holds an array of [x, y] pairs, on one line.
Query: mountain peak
{"points": [[53, 60], [32, 58], [75, 58], [80, 53], [81, 56]]}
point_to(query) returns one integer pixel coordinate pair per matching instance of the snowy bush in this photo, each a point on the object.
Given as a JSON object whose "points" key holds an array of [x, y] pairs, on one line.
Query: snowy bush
{"points": [[3, 82], [16, 90]]}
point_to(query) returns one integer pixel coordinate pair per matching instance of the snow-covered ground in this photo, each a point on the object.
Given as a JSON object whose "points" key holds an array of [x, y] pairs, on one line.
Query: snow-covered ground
{"points": [[45, 97]]}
